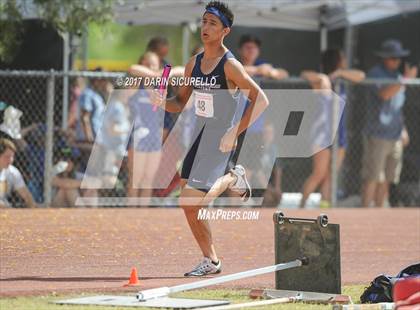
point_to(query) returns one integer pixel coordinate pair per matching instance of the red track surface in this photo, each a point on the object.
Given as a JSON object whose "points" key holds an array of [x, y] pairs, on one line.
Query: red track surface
{"points": [[55, 250]]}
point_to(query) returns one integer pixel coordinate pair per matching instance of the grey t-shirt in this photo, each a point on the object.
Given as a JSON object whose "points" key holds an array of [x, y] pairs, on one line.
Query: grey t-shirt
{"points": [[384, 118], [10, 179]]}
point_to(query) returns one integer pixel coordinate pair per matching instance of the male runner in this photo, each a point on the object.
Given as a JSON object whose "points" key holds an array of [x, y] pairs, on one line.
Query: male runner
{"points": [[205, 173]]}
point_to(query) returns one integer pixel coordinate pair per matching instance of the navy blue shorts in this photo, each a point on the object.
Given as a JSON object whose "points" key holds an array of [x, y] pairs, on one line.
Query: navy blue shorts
{"points": [[204, 162]]}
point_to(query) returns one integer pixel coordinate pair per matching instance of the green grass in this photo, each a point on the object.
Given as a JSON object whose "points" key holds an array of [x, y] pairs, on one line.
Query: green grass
{"points": [[235, 296]]}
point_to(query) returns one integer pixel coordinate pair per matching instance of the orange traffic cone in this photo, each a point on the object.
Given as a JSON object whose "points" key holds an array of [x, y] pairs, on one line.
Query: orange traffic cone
{"points": [[134, 279]]}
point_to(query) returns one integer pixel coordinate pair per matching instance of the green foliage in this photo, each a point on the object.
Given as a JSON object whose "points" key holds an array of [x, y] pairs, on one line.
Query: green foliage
{"points": [[64, 15], [126, 43], [10, 29], [71, 16]]}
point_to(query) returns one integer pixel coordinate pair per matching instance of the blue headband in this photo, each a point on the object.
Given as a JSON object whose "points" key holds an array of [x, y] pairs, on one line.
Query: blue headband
{"points": [[219, 14]]}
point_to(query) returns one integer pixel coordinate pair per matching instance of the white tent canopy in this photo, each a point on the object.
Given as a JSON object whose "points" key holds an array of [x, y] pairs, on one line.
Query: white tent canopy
{"points": [[289, 14], [310, 15]]}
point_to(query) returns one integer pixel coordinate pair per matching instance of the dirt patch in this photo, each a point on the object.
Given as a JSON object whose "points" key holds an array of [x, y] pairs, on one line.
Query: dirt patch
{"points": [[73, 250]]}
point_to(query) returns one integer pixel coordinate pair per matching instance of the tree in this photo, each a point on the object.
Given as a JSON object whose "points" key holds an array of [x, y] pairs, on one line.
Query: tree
{"points": [[65, 15], [10, 30]]}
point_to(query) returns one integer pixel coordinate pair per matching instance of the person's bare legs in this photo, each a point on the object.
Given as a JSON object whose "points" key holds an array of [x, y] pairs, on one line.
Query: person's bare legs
{"points": [[381, 194], [326, 184], [221, 184], [131, 191], [59, 200], [321, 161], [190, 201], [151, 166], [71, 196], [368, 193], [136, 169]]}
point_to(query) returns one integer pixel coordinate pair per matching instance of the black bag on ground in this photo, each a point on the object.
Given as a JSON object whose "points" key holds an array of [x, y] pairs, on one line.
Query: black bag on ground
{"points": [[380, 289]]}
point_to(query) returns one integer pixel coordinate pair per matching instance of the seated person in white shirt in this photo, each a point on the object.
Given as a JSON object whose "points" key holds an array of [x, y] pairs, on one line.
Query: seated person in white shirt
{"points": [[10, 177]]}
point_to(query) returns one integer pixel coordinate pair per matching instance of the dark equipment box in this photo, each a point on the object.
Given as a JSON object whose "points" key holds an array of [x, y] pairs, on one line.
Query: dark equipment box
{"points": [[319, 242]]}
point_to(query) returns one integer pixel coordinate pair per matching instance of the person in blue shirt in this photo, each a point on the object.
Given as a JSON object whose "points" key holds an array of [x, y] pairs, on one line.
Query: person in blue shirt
{"points": [[90, 111], [145, 150], [384, 134]]}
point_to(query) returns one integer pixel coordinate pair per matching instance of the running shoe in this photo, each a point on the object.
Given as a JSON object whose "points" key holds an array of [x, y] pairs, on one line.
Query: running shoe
{"points": [[241, 185], [206, 267]]}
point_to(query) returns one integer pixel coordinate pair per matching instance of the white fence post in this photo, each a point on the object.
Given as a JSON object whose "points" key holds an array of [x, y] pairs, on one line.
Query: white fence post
{"points": [[334, 150]]}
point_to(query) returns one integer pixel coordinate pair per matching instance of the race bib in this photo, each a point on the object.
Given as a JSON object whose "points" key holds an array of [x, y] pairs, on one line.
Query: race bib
{"points": [[203, 103]]}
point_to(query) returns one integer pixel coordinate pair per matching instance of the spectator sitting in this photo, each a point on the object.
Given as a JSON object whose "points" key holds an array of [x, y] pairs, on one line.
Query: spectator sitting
{"points": [[384, 131], [65, 182], [10, 177]]}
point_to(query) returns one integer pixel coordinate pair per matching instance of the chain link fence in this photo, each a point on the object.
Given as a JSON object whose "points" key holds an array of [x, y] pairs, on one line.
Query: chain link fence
{"points": [[51, 125]]}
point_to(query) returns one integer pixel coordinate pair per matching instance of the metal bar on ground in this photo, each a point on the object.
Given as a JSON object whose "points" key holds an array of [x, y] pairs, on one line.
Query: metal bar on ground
{"points": [[255, 303], [164, 291]]}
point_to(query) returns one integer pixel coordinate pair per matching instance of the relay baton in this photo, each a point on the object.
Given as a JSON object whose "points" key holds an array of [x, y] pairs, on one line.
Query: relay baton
{"points": [[163, 81]]}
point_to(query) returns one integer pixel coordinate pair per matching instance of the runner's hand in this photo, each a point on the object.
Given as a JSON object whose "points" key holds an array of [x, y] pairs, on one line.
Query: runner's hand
{"points": [[228, 142], [157, 99]]}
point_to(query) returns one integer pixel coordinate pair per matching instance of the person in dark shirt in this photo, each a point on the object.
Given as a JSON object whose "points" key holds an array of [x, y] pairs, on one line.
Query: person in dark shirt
{"points": [[205, 172], [249, 52]]}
